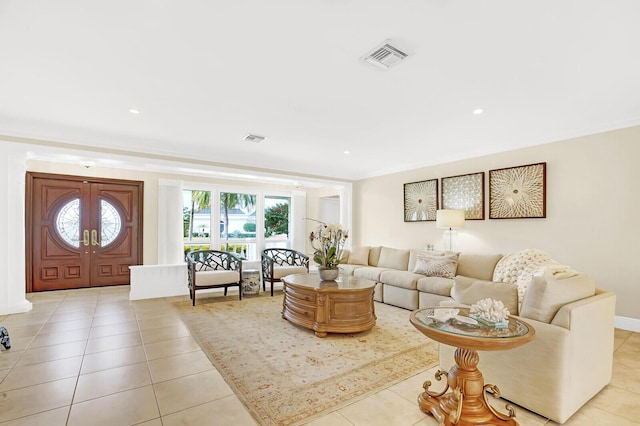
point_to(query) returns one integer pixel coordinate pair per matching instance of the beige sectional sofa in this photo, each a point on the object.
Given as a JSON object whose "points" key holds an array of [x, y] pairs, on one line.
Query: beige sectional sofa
{"points": [[571, 356]]}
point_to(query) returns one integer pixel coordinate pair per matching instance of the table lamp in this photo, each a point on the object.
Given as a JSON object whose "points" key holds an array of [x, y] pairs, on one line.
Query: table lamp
{"points": [[450, 219]]}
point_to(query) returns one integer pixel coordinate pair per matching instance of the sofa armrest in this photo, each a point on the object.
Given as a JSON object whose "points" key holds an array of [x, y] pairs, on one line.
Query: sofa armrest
{"points": [[599, 308]]}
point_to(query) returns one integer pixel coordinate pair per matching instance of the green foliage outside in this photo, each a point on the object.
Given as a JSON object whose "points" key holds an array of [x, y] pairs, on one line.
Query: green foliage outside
{"points": [[276, 220], [230, 200], [186, 220], [249, 227]]}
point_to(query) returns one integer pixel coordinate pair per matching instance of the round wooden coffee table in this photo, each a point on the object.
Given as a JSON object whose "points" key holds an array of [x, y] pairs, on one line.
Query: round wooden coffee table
{"points": [[342, 306], [467, 403]]}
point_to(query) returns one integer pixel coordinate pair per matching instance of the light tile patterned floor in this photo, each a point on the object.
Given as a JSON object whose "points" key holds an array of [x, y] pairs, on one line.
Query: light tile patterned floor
{"points": [[92, 357]]}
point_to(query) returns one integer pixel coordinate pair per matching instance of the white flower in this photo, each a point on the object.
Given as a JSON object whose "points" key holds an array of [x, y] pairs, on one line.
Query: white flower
{"points": [[328, 242]]}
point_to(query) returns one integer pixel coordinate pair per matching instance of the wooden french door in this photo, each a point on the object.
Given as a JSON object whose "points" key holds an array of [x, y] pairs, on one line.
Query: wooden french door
{"points": [[81, 232]]}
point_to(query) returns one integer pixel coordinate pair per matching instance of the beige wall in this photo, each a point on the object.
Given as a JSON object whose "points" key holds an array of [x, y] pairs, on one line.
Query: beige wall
{"points": [[592, 206]]}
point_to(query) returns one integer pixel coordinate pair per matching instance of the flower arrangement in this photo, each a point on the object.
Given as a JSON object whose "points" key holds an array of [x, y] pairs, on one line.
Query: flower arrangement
{"points": [[328, 243], [490, 312]]}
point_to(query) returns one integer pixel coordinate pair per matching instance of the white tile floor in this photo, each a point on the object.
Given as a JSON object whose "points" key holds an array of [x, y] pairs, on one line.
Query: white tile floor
{"points": [[92, 357]]}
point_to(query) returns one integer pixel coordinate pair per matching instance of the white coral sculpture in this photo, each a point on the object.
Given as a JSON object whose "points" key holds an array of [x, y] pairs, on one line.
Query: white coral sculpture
{"points": [[490, 310]]}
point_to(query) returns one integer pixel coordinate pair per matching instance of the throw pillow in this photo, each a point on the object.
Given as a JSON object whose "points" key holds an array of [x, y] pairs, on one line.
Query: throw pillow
{"points": [[547, 293], [359, 255], [437, 266], [467, 291]]}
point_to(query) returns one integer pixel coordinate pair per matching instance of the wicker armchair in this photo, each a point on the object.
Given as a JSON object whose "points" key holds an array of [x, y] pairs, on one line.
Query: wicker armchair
{"points": [[213, 269], [279, 262]]}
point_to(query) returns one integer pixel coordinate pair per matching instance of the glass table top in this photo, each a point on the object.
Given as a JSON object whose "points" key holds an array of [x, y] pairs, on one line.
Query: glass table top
{"points": [[461, 324]]}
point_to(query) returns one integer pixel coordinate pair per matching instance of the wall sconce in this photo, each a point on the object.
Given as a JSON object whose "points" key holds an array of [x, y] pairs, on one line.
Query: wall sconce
{"points": [[450, 219]]}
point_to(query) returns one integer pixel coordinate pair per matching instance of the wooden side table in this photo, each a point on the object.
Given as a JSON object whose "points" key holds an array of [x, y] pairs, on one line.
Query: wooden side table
{"points": [[342, 306], [467, 403]]}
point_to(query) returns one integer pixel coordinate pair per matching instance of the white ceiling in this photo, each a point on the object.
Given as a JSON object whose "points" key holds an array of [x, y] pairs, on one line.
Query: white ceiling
{"points": [[203, 74]]}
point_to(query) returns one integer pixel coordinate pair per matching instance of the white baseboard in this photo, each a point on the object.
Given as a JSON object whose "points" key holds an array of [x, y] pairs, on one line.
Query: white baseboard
{"points": [[24, 306], [630, 324]]}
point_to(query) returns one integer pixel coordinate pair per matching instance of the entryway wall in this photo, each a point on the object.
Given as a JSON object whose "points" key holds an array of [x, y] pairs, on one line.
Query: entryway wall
{"points": [[18, 156], [330, 209]]}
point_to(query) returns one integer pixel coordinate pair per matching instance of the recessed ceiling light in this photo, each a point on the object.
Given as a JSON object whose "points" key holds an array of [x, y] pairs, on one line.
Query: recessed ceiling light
{"points": [[347, 152], [134, 111], [478, 111]]}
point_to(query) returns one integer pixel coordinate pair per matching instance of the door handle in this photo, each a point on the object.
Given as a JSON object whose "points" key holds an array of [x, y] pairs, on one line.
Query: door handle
{"points": [[85, 237], [94, 238]]}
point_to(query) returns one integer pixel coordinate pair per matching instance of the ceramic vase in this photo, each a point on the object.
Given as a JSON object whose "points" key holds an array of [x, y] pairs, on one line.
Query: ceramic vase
{"points": [[328, 274]]}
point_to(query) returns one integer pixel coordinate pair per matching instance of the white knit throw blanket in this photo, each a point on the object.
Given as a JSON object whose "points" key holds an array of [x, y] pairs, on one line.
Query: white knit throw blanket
{"points": [[518, 268]]}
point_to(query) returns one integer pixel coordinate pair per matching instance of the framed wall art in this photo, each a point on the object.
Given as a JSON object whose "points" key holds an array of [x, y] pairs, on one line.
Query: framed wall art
{"points": [[518, 192], [464, 192], [420, 201]]}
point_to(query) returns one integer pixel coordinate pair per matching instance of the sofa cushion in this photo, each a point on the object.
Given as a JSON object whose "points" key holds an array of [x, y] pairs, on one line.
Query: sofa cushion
{"points": [[374, 255], [437, 266], [435, 285], [392, 258], [480, 266], [369, 272], [402, 279], [468, 290], [348, 269], [359, 255], [402, 297], [217, 277], [547, 293]]}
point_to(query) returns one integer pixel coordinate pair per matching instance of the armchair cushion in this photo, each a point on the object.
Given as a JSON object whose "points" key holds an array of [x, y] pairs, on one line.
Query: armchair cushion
{"points": [[282, 271], [210, 277], [279, 262]]}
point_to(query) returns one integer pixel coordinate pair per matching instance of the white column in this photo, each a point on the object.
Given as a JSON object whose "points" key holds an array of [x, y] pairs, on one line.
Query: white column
{"points": [[170, 240], [12, 244], [346, 210], [298, 225]]}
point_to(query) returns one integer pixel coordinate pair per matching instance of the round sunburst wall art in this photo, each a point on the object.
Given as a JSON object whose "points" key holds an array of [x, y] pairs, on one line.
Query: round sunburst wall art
{"points": [[518, 192], [420, 200]]}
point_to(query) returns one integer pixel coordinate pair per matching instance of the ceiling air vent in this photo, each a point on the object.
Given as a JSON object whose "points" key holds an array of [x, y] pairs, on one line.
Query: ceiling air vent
{"points": [[385, 55], [254, 138]]}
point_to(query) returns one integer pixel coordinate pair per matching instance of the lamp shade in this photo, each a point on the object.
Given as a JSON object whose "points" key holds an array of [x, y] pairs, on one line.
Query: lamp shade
{"points": [[450, 218]]}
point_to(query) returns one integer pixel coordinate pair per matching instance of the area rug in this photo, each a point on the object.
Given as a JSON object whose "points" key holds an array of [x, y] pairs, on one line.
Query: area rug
{"points": [[284, 374]]}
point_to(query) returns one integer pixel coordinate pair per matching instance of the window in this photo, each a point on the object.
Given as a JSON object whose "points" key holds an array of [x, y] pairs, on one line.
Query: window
{"points": [[276, 221], [242, 220], [68, 223], [196, 220], [238, 224]]}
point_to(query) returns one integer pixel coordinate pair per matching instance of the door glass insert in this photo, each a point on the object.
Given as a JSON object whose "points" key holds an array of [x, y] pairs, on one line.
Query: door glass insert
{"points": [[110, 223], [68, 222]]}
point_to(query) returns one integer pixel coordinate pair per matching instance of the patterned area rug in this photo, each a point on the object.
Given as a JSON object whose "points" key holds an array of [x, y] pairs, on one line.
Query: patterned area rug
{"points": [[284, 374]]}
